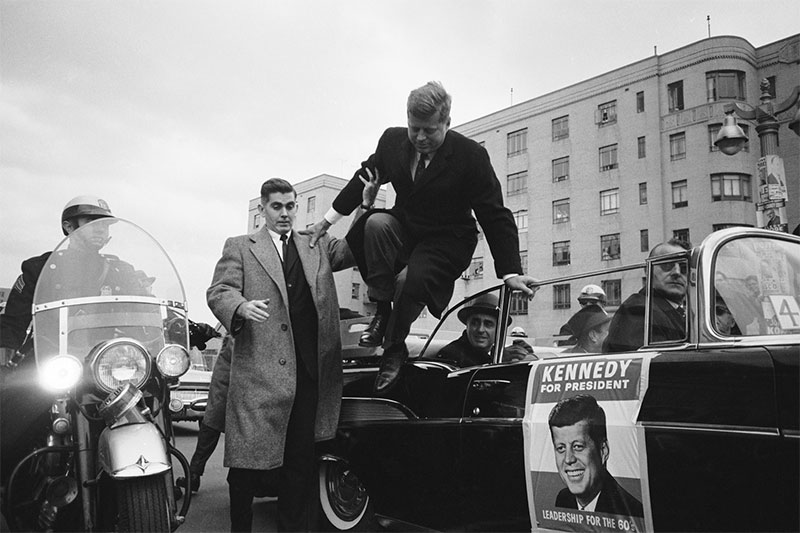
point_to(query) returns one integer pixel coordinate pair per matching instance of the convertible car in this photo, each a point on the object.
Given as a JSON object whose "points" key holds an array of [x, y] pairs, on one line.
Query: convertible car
{"points": [[699, 431]]}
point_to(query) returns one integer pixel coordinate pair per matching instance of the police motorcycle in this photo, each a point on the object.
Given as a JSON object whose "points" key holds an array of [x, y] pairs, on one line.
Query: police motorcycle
{"points": [[110, 339]]}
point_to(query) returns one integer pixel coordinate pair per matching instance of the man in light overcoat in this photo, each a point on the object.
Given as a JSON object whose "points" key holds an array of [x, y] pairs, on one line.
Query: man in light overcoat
{"points": [[277, 297]]}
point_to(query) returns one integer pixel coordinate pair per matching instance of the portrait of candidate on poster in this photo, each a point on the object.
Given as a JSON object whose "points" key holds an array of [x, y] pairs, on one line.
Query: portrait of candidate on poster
{"points": [[586, 456]]}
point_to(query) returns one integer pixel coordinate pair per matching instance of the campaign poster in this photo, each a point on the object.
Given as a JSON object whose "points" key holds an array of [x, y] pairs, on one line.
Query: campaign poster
{"points": [[585, 454]]}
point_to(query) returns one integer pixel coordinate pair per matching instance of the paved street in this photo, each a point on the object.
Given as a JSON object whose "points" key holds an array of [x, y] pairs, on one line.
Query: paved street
{"points": [[209, 508]]}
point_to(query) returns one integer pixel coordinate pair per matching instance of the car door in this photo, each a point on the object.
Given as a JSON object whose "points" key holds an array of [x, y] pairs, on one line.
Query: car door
{"points": [[491, 463], [712, 437]]}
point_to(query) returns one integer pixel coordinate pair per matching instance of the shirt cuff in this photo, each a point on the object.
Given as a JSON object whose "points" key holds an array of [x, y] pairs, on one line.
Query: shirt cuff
{"points": [[509, 276], [333, 216]]}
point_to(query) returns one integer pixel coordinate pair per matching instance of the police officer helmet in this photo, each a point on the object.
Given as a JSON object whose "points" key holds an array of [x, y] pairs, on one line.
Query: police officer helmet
{"points": [[85, 206], [592, 294]]}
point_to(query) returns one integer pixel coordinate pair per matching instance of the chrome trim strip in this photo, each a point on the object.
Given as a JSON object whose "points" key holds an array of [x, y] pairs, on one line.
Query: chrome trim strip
{"points": [[703, 428], [107, 299]]}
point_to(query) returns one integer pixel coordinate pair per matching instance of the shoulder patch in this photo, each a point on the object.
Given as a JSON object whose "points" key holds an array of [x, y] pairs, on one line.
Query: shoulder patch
{"points": [[19, 285]]}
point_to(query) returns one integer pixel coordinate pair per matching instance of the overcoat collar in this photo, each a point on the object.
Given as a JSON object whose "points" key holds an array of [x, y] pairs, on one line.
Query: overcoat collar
{"points": [[263, 249]]}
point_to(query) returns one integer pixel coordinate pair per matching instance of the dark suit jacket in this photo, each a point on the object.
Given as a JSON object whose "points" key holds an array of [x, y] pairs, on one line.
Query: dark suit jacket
{"points": [[436, 211], [613, 499], [626, 332]]}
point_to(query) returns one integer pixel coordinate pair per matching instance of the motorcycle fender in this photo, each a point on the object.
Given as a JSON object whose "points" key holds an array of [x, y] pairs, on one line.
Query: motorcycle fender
{"points": [[133, 450]]}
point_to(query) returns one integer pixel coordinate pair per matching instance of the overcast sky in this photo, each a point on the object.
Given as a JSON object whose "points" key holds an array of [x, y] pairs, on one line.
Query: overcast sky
{"points": [[175, 112]]}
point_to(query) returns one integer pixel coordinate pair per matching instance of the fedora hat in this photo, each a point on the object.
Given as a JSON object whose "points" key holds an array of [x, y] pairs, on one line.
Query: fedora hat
{"points": [[587, 319], [486, 304]]}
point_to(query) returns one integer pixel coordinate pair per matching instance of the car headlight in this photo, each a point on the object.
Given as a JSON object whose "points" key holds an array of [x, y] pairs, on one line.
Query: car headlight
{"points": [[173, 360], [61, 373], [120, 361]]}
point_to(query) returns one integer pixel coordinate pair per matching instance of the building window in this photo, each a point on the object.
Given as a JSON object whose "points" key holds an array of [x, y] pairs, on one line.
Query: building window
{"points": [[560, 128], [523, 259], [643, 194], [681, 235], [517, 183], [609, 202], [519, 304], [257, 220], [730, 187], [355, 292], [640, 102], [644, 240], [725, 85], [606, 113], [517, 142], [312, 204], [642, 147], [561, 296], [675, 96], [677, 146], [561, 169], [609, 246], [713, 131], [521, 219], [608, 157], [680, 194], [561, 211], [561, 253], [613, 290]]}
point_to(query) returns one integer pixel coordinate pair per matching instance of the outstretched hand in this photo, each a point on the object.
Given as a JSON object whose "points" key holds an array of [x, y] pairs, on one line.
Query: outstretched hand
{"points": [[372, 184], [526, 284], [316, 231]]}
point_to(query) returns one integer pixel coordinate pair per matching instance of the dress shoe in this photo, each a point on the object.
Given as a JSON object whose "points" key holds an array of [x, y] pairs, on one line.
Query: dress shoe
{"points": [[373, 335], [181, 482], [389, 373]]}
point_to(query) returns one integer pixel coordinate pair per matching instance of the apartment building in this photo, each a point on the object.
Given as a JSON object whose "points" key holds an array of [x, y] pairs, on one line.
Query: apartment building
{"points": [[599, 172]]}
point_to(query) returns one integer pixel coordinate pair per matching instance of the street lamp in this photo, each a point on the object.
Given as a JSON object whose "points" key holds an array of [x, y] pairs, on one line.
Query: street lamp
{"points": [[772, 183]]}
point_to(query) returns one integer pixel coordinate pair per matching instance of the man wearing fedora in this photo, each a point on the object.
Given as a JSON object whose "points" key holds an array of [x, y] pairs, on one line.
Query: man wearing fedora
{"points": [[474, 347], [590, 328]]}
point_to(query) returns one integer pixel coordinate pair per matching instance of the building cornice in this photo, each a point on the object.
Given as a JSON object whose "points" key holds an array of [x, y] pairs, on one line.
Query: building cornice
{"points": [[725, 48]]}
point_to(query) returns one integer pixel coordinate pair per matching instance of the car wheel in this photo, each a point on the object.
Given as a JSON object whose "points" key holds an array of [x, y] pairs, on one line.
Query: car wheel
{"points": [[344, 500]]}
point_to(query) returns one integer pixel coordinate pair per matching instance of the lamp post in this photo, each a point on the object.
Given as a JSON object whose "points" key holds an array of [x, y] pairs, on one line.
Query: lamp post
{"points": [[772, 196]]}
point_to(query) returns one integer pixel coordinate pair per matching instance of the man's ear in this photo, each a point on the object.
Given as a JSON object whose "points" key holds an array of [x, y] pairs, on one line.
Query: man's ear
{"points": [[67, 226], [604, 449]]}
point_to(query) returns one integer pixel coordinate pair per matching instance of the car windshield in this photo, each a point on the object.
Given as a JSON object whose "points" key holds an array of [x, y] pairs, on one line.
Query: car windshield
{"points": [[757, 285]]}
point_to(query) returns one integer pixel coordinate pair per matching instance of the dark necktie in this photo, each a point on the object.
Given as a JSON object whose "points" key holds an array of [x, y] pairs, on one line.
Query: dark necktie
{"points": [[420, 167], [285, 245]]}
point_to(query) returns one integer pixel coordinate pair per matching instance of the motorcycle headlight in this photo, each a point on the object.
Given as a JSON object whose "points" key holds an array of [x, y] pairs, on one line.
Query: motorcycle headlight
{"points": [[120, 361], [60, 373], [173, 360]]}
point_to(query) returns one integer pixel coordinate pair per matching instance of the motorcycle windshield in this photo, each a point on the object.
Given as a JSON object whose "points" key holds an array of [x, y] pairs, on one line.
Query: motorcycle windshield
{"points": [[106, 280]]}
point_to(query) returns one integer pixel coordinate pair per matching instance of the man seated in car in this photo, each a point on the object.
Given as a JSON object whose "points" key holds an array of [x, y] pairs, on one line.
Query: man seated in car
{"points": [[590, 327], [474, 347], [668, 319]]}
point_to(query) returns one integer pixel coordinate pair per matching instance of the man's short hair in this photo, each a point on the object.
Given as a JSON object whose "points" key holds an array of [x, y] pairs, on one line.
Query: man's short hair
{"points": [[680, 243], [570, 411], [425, 101], [276, 185]]}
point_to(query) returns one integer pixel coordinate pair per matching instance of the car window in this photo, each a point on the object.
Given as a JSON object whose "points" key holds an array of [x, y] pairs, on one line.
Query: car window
{"points": [[467, 333], [757, 287]]}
